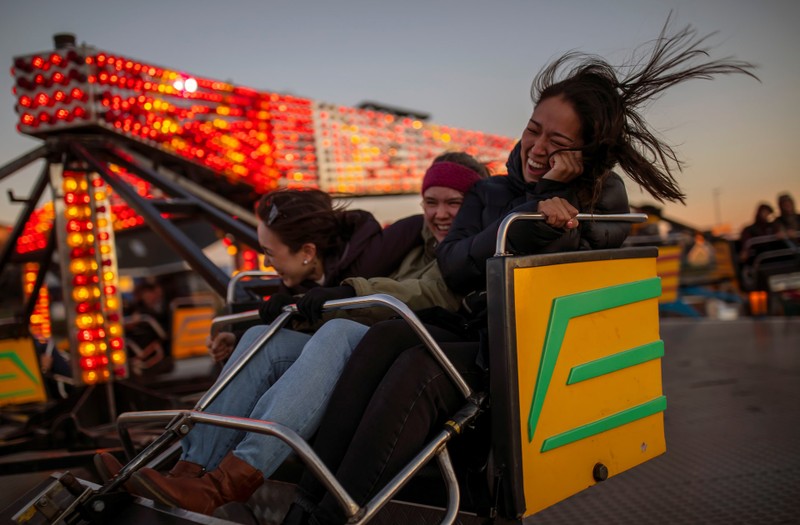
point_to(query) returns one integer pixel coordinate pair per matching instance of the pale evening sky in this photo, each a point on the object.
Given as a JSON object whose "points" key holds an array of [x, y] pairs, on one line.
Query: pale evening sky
{"points": [[469, 63]]}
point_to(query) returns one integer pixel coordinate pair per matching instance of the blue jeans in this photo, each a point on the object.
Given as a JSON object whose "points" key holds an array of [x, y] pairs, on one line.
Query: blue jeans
{"points": [[289, 381]]}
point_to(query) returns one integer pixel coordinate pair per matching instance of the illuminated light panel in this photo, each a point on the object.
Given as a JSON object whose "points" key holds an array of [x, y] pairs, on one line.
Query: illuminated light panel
{"points": [[261, 139], [34, 233], [39, 322], [90, 282]]}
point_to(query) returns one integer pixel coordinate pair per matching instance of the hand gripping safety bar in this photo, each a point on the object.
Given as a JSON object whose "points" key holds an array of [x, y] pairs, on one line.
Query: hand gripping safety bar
{"points": [[502, 231]]}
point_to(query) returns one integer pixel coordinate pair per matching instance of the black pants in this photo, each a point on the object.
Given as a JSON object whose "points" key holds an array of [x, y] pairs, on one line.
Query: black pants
{"points": [[392, 397]]}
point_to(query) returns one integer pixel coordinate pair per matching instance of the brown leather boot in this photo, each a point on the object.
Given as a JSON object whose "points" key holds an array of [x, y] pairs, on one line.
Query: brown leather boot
{"points": [[186, 469], [108, 466], [233, 480]]}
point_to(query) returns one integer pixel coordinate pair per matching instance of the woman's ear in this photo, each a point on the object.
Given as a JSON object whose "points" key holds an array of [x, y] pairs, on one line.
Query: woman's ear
{"points": [[309, 251]]}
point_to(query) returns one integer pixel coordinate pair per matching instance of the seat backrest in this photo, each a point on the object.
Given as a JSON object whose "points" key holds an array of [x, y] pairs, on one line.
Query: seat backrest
{"points": [[575, 371]]}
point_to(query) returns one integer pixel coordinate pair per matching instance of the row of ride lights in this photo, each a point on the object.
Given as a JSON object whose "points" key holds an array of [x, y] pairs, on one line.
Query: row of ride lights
{"points": [[98, 320]]}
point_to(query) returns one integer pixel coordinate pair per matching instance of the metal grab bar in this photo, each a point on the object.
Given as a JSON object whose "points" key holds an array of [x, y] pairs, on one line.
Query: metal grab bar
{"points": [[351, 303], [180, 422], [502, 231], [220, 320], [231, 291], [285, 434]]}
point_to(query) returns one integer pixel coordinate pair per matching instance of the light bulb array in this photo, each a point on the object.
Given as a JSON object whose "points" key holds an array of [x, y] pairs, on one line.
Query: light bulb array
{"points": [[90, 280], [39, 322], [262, 139]]}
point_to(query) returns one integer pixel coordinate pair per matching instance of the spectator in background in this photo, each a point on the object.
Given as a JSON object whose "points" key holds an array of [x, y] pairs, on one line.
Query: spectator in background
{"points": [[762, 225], [788, 220], [147, 329]]}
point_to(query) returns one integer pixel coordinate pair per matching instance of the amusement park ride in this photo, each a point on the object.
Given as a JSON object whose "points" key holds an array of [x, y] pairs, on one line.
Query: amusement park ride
{"points": [[129, 144]]}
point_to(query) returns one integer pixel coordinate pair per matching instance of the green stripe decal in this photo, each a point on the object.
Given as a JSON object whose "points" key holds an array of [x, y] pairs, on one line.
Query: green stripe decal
{"points": [[575, 305], [6, 377], [17, 361], [612, 363], [17, 393], [629, 415]]}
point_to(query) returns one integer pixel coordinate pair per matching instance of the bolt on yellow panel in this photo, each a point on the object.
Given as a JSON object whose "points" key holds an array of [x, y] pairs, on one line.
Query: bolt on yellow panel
{"points": [[588, 360]]}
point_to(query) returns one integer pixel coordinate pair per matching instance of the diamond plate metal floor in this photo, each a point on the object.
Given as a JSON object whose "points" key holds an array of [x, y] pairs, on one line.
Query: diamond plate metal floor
{"points": [[733, 433]]}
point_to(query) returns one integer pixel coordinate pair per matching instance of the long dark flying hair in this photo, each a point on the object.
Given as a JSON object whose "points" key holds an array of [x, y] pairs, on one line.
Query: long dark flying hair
{"points": [[614, 132]]}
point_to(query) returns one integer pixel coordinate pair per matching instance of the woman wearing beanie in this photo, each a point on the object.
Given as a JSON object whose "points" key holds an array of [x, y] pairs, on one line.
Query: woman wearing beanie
{"points": [[229, 465]]}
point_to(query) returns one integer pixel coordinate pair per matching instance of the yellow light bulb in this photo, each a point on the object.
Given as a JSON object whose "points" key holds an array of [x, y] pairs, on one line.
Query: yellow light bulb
{"points": [[75, 240], [80, 294], [84, 321], [87, 349], [78, 266]]}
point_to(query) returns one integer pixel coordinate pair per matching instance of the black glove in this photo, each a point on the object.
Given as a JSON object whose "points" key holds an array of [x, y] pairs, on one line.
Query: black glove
{"points": [[273, 307], [310, 305]]}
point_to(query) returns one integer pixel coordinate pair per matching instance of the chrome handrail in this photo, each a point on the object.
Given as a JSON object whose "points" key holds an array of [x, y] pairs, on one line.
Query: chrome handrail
{"points": [[181, 421], [284, 433], [362, 302], [230, 293], [502, 231]]}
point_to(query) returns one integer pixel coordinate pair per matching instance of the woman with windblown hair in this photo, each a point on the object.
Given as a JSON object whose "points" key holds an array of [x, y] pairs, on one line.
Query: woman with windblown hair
{"points": [[393, 394]]}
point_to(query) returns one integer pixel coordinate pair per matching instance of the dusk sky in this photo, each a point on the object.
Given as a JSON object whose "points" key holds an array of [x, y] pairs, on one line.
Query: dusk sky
{"points": [[468, 63]]}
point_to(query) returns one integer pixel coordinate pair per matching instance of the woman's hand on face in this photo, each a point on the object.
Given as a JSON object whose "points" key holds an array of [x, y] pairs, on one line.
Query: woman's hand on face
{"points": [[221, 346], [565, 166], [559, 213]]}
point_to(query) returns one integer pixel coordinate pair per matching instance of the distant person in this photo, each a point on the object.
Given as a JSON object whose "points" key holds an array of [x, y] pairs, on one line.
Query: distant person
{"points": [[788, 220], [147, 329], [762, 225]]}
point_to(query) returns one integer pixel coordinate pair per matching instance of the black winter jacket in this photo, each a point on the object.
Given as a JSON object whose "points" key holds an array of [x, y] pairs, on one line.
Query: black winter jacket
{"points": [[471, 241]]}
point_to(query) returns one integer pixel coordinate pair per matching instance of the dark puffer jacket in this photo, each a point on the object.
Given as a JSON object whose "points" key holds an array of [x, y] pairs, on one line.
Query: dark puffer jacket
{"points": [[462, 254]]}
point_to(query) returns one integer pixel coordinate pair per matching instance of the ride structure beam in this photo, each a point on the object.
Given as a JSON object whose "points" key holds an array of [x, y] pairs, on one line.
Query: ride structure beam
{"points": [[23, 160], [170, 233], [221, 220]]}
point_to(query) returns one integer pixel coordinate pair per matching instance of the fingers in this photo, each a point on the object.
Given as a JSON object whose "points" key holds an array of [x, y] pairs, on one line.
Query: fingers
{"points": [[559, 213], [565, 166], [310, 305], [221, 346]]}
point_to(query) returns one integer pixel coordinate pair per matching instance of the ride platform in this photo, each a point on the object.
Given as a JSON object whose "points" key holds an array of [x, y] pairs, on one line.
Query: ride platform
{"points": [[733, 440]]}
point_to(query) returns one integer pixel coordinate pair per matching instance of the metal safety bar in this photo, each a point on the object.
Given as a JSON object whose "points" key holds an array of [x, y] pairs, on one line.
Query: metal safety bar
{"points": [[502, 231], [352, 303], [241, 362], [180, 422], [231, 295], [285, 434], [437, 447]]}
